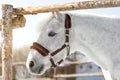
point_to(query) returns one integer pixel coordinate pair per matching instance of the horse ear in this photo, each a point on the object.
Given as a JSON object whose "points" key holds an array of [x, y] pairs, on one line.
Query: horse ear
{"points": [[57, 16]]}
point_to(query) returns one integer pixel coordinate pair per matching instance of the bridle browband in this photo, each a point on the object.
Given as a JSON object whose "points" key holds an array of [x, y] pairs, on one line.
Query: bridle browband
{"points": [[45, 52]]}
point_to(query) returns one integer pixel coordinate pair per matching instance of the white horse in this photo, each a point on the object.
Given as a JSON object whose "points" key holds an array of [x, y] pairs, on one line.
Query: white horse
{"points": [[96, 36]]}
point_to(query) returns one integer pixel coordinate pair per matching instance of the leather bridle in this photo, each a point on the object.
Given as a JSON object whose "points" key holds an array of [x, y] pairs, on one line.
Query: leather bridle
{"points": [[45, 52]]}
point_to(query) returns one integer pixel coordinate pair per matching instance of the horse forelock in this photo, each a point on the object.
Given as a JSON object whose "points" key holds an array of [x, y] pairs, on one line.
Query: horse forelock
{"points": [[44, 22]]}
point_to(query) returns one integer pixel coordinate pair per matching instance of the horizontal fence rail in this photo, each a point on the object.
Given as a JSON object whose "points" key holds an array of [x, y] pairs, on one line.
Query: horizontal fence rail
{"points": [[38, 79], [79, 75], [68, 6], [68, 63]]}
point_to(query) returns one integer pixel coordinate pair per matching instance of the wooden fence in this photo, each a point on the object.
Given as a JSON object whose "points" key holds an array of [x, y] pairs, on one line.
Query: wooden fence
{"points": [[58, 73], [8, 13]]}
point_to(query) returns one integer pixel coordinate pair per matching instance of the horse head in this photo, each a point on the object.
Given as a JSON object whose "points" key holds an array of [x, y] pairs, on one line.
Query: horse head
{"points": [[52, 46]]}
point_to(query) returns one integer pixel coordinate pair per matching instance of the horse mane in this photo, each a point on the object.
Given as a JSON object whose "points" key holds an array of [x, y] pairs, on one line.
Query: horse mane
{"points": [[91, 15], [47, 17]]}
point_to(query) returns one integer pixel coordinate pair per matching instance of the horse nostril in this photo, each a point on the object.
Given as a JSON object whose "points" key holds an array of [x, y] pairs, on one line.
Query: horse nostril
{"points": [[41, 68], [31, 64]]}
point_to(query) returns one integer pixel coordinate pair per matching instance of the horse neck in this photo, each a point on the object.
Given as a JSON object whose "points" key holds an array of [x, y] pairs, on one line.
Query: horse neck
{"points": [[86, 29], [80, 25]]}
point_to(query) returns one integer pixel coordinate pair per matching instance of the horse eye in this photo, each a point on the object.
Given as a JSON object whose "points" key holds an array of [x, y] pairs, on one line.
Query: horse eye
{"points": [[51, 34]]}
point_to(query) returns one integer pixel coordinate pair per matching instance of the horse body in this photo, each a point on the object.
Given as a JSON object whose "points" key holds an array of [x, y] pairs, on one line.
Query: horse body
{"points": [[95, 36], [98, 38]]}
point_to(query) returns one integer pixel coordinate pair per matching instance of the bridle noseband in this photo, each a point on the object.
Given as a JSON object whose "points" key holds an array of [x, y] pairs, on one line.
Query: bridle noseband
{"points": [[45, 52]]}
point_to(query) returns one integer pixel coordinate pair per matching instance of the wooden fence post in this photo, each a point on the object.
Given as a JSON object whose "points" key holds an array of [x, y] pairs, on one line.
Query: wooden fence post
{"points": [[7, 11]]}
